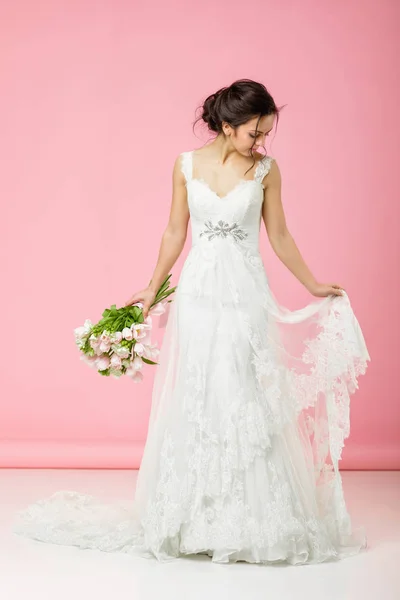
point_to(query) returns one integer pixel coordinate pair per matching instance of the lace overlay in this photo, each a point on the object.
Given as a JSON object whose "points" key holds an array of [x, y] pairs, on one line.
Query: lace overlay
{"points": [[249, 414]]}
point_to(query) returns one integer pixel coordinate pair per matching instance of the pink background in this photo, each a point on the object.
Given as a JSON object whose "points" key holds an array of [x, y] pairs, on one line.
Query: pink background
{"points": [[98, 99]]}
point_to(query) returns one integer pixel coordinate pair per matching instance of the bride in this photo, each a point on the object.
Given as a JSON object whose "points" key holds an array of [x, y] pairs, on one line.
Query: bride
{"points": [[250, 403]]}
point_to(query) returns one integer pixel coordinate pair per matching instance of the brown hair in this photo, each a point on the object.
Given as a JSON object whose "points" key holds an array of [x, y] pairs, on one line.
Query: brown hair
{"points": [[243, 100]]}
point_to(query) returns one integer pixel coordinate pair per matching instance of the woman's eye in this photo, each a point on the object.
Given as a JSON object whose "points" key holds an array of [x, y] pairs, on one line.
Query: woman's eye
{"points": [[253, 136]]}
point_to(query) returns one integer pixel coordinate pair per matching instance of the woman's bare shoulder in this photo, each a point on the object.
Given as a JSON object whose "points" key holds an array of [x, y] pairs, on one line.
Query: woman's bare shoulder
{"points": [[258, 156]]}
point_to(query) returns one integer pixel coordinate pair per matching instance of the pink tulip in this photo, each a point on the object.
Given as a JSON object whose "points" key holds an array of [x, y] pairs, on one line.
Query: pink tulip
{"points": [[121, 351], [139, 330], [138, 349], [136, 376], [105, 346], [89, 360], [116, 362], [137, 363], [103, 363], [151, 351], [127, 333], [80, 332], [94, 342], [146, 339]]}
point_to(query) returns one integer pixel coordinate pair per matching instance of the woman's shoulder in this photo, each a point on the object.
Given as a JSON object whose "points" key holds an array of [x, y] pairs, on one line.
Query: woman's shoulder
{"points": [[263, 157], [265, 165]]}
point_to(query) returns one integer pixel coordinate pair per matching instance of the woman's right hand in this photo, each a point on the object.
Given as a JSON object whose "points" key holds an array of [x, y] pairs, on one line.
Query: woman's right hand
{"points": [[146, 296]]}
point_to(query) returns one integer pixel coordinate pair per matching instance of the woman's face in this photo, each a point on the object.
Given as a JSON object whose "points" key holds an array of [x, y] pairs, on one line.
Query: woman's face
{"points": [[246, 135]]}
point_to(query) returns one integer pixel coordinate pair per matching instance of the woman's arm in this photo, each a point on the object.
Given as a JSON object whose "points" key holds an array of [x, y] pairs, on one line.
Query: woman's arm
{"points": [[174, 236], [281, 240], [172, 241]]}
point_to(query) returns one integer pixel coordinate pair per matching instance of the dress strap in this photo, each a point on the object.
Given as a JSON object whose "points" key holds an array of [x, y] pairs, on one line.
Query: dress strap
{"points": [[263, 168], [187, 165]]}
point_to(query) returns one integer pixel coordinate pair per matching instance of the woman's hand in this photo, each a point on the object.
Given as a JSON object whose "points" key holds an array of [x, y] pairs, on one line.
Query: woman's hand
{"points": [[326, 289], [146, 296]]}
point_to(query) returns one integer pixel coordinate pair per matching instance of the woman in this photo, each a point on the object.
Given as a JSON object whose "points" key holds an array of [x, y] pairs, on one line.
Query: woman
{"points": [[250, 403]]}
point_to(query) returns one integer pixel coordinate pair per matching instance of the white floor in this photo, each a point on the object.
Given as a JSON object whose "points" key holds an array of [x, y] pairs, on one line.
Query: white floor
{"points": [[31, 569]]}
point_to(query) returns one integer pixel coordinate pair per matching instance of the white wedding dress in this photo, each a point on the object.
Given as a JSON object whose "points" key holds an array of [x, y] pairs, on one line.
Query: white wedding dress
{"points": [[250, 410]]}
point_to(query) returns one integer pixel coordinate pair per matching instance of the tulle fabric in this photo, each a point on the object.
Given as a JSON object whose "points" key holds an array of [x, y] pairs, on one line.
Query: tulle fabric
{"points": [[250, 411]]}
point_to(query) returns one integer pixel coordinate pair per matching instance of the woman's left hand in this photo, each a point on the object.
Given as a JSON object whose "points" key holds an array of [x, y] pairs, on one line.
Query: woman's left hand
{"points": [[326, 289]]}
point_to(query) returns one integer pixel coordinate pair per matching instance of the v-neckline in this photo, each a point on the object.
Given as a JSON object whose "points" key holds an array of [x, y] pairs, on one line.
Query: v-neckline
{"points": [[240, 182], [237, 186]]}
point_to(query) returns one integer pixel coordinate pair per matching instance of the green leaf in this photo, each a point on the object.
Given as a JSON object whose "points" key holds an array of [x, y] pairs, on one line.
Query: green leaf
{"points": [[136, 312], [148, 361], [105, 373]]}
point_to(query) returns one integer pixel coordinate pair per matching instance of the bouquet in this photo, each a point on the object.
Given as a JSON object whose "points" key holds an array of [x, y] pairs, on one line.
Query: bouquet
{"points": [[119, 344]]}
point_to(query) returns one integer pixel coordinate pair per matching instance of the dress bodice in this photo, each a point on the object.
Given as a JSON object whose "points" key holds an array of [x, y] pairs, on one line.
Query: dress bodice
{"points": [[235, 216]]}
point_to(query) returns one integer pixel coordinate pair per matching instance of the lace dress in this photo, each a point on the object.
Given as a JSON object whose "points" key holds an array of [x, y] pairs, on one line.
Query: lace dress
{"points": [[250, 410]]}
